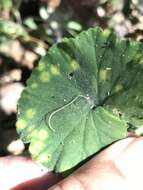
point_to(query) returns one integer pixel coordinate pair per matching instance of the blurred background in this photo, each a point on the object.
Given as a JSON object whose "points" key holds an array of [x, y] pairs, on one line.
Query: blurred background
{"points": [[29, 27]]}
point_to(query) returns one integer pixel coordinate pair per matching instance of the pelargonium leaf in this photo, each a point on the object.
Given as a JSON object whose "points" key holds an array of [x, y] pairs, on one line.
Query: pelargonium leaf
{"points": [[82, 97]]}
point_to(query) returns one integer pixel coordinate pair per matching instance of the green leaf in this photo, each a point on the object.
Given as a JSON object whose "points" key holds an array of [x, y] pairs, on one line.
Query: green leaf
{"points": [[81, 98]]}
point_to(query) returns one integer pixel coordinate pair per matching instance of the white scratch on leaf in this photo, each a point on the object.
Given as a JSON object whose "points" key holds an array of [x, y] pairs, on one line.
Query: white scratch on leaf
{"points": [[63, 107]]}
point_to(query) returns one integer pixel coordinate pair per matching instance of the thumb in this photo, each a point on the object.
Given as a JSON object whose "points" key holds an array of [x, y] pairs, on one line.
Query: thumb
{"points": [[111, 169]]}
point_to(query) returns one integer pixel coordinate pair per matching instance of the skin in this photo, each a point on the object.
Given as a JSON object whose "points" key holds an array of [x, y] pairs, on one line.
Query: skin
{"points": [[117, 167]]}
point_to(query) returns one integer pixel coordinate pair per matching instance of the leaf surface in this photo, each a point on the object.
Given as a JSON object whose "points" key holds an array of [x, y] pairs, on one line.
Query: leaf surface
{"points": [[82, 97]]}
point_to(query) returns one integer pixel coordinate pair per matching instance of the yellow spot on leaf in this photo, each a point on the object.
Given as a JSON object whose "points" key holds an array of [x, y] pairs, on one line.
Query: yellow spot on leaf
{"points": [[104, 74], [44, 157], [36, 147], [118, 87], [21, 124], [30, 113], [54, 70], [106, 33], [35, 132], [42, 67], [75, 65], [34, 85], [43, 134], [141, 62], [44, 76]]}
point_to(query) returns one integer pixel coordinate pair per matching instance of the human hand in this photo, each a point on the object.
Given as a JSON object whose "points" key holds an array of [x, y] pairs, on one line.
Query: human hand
{"points": [[20, 173], [117, 167]]}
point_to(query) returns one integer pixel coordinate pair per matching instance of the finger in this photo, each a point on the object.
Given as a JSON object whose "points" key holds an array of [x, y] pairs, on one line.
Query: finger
{"points": [[20, 172], [40, 183], [130, 162], [105, 170]]}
